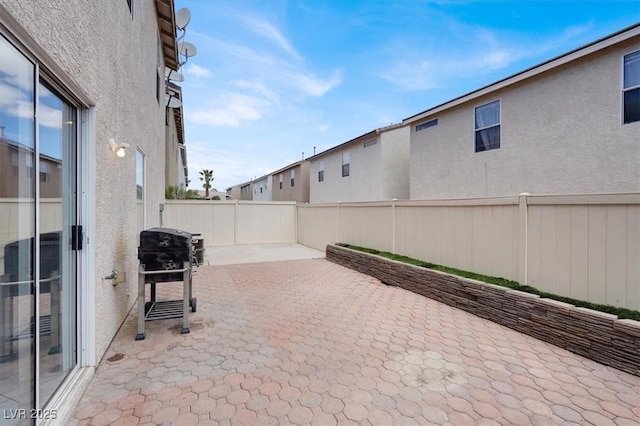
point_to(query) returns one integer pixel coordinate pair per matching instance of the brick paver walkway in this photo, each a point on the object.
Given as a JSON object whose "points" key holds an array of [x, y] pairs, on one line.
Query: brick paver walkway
{"points": [[309, 342]]}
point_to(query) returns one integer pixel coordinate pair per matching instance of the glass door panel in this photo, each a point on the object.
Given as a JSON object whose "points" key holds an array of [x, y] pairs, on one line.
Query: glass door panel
{"points": [[57, 126], [17, 233], [38, 205]]}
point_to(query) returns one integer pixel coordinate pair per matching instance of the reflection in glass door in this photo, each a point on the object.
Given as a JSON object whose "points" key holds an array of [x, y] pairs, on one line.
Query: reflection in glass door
{"points": [[57, 126], [38, 204], [17, 229]]}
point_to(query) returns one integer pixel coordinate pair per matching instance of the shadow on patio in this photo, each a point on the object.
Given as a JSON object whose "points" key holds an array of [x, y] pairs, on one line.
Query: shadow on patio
{"points": [[309, 342]]}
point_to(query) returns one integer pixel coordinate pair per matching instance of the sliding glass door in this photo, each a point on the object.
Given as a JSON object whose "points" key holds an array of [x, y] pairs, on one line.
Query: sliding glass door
{"points": [[38, 230], [57, 216]]}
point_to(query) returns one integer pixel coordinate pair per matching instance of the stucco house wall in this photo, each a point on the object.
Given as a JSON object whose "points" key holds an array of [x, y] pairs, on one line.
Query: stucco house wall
{"points": [[233, 192], [378, 171], [300, 190], [561, 133], [109, 61], [263, 189], [246, 191]]}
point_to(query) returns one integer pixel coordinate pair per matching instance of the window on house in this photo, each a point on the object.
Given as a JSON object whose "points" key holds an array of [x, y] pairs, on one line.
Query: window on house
{"points": [[280, 180], [45, 170], [293, 177], [345, 163], [321, 171], [631, 88], [370, 143], [487, 126], [15, 163], [29, 163], [426, 125]]}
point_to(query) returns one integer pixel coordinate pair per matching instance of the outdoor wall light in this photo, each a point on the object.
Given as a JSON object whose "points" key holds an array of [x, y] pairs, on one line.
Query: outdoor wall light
{"points": [[118, 148]]}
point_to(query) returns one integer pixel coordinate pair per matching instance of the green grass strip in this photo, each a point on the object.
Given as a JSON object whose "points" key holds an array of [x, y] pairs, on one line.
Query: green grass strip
{"points": [[622, 313]]}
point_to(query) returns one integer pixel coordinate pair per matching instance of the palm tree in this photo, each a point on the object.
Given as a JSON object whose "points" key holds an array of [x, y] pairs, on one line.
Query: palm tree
{"points": [[206, 176]]}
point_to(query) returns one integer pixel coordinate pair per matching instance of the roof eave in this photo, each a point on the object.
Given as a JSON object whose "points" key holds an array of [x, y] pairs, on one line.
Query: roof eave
{"points": [[167, 29]]}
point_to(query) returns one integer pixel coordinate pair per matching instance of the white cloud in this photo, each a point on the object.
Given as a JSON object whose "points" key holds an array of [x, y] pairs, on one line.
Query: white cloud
{"points": [[230, 111], [419, 76], [15, 101], [272, 34], [49, 117], [257, 87], [198, 71], [314, 86], [469, 50], [256, 66], [480, 55]]}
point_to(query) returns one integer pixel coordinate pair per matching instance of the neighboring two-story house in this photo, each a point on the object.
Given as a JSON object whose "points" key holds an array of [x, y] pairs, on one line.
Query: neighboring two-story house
{"points": [[291, 183], [371, 167], [570, 125], [262, 189]]}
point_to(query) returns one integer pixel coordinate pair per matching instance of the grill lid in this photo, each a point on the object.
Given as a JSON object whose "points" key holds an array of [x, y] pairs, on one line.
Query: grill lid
{"points": [[164, 239]]}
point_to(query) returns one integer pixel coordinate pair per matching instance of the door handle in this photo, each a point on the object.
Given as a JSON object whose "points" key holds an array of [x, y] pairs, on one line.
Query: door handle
{"points": [[76, 237]]}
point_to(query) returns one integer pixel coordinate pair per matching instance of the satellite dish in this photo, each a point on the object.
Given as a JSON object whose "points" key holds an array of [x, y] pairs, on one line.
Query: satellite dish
{"points": [[173, 75], [183, 16], [173, 102], [187, 49]]}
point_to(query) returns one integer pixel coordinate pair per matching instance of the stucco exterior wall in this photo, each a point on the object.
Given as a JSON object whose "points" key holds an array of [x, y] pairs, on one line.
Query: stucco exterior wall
{"points": [[395, 163], [262, 189], [561, 134], [112, 58], [376, 172], [234, 192], [300, 191]]}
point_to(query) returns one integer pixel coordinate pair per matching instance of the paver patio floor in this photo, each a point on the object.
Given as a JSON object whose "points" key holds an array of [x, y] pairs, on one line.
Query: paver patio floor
{"points": [[310, 342]]}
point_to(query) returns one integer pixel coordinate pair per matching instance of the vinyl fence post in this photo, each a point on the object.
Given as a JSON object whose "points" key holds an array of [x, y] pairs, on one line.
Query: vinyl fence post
{"points": [[235, 222], [393, 225], [523, 224], [338, 223]]}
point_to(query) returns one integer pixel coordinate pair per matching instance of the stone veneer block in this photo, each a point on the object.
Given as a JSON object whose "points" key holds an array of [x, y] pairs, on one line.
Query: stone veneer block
{"points": [[595, 335], [628, 326]]}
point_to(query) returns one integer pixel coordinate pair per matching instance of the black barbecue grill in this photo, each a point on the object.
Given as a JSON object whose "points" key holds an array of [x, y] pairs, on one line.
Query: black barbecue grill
{"points": [[165, 255]]}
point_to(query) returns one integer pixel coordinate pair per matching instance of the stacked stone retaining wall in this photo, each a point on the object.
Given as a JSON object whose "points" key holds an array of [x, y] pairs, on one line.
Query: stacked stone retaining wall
{"points": [[595, 335]]}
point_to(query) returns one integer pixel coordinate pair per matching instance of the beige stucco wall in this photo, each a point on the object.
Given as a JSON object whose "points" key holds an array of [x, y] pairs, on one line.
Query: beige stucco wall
{"points": [[234, 192], [300, 191], [377, 172], [267, 189], [561, 134], [112, 59], [395, 163]]}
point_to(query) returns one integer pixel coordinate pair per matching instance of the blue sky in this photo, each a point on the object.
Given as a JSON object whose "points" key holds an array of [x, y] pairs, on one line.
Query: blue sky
{"points": [[274, 79]]}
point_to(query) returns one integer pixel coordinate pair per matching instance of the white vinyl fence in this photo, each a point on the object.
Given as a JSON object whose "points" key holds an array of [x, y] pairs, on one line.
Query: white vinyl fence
{"points": [[585, 246], [233, 222], [581, 246]]}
